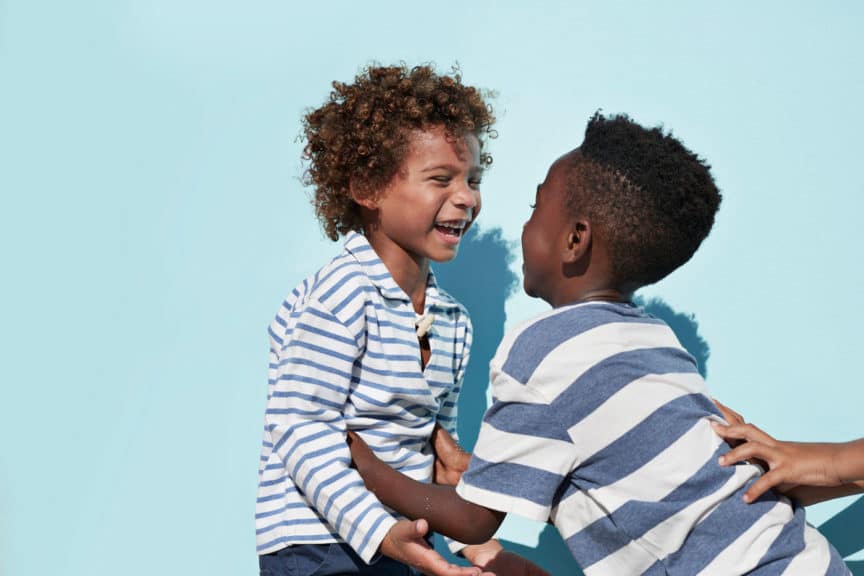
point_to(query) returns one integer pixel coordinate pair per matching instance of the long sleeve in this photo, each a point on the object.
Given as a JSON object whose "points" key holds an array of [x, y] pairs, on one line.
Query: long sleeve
{"points": [[306, 423]]}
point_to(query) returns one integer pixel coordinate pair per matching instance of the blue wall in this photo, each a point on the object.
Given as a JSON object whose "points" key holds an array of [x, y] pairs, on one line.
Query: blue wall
{"points": [[152, 219]]}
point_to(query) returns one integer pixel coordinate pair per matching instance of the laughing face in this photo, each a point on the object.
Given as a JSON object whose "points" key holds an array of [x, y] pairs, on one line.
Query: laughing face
{"points": [[429, 204], [544, 236]]}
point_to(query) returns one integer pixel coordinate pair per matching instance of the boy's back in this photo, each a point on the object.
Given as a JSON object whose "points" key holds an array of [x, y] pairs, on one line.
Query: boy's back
{"points": [[602, 423]]}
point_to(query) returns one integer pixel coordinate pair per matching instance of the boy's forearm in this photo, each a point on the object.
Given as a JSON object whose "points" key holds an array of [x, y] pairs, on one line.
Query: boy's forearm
{"points": [[849, 461], [807, 495], [439, 505]]}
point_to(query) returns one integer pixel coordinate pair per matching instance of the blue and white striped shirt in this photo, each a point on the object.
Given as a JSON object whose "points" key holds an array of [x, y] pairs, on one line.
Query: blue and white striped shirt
{"points": [[601, 423], [344, 355]]}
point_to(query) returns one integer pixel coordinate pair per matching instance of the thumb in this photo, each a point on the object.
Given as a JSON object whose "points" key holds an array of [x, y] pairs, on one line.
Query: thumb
{"points": [[421, 527]]}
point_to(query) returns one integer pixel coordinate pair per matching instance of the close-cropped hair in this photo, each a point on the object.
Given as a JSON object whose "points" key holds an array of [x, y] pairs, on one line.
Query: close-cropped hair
{"points": [[360, 137], [653, 200]]}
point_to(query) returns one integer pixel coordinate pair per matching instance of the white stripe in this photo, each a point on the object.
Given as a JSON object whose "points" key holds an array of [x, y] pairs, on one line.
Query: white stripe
{"points": [[665, 538], [630, 406], [665, 472], [573, 357], [632, 559], [744, 553], [814, 559]]}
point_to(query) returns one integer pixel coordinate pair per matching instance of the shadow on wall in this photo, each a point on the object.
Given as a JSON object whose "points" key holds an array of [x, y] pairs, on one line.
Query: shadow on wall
{"points": [[481, 279], [684, 326]]}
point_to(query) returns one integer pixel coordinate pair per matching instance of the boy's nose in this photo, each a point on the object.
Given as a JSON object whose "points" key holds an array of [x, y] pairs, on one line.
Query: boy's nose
{"points": [[467, 197]]}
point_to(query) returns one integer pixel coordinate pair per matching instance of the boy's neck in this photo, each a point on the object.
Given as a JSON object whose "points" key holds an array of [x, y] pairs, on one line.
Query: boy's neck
{"points": [[411, 273], [594, 295]]}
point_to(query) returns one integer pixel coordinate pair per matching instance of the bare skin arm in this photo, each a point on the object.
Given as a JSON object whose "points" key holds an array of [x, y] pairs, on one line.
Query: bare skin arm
{"points": [[445, 511]]}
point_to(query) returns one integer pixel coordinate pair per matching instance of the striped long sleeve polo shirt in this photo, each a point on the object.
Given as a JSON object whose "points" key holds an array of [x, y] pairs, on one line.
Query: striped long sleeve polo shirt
{"points": [[344, 355]]}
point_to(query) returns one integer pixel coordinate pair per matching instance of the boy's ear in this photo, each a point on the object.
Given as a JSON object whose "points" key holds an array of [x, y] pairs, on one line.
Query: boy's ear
{"points": [[361, 199], [578, 241]]}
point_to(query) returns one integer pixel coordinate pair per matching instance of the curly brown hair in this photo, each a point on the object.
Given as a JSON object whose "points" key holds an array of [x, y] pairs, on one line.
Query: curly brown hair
{"points": [[361, 135]]}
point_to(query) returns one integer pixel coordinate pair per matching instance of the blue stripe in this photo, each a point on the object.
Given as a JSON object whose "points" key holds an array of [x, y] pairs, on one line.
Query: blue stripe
{"points": [[351, 275], [316, 365], [600, 382], [297, 411], [336, 494], [365, 542], [275, 337], [295, 522], [300, 441], [262, 499], [539, 339], [407, 375], [643, 442], [285, 508], [328, 481], [632, 520], [314, 454], [526, 482], [731, 518], [597, 541], [349, 299], [359, 520], [290, 430], [338, 267], [325, 334], [308, 397], [322, 350], [363, 495], [788, 544]]}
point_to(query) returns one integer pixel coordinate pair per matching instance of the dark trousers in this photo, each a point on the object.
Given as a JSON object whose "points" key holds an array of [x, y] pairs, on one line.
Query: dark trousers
{"points": [[327, 560]]}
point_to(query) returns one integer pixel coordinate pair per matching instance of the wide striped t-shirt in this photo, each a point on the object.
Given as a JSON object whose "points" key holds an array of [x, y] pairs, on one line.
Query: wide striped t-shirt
{"points": [[344, 355], [601, 424]]}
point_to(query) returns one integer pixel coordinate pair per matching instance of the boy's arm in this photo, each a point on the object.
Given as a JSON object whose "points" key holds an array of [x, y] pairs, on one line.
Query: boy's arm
{"points": [[445, 511]]}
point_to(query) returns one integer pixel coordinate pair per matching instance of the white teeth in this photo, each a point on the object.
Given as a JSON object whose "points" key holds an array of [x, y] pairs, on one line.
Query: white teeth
{"points": [[452, 225]]}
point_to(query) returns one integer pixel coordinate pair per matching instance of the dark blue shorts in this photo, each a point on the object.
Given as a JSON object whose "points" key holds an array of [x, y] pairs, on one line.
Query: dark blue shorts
{"points": [[327, 560]]}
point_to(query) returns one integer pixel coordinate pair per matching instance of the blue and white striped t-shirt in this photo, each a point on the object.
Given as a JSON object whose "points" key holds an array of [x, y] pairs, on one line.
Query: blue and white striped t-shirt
{"points": [[601, 424], [344, 355]]}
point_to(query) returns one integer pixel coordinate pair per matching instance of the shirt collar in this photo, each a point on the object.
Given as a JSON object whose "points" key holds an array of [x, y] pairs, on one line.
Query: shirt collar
{"points": [[358, 246]]}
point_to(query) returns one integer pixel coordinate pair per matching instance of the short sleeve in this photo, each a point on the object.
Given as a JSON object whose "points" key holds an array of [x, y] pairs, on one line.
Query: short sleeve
{"points": [[522, 454]]}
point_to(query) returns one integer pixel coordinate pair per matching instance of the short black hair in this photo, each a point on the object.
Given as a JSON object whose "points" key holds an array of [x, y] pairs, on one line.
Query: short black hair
{"points": [[652, 199]]}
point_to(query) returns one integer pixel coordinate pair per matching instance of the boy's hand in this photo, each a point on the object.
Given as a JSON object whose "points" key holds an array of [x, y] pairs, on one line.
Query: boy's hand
{"points": [[406, 543], [492, 557], [450, 459], [788, 464]]}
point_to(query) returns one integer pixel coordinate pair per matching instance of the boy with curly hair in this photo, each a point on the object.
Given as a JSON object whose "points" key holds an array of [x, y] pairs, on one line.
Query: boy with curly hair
{"points": [[370, 343], [601, 423]]}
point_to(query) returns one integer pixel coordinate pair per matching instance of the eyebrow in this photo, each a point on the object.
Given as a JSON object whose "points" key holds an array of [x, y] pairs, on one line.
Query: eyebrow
{"points": [[453, 168]]}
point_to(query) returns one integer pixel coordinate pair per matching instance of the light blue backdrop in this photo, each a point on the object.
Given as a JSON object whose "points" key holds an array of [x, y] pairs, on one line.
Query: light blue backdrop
{"points": [[152, 219]]}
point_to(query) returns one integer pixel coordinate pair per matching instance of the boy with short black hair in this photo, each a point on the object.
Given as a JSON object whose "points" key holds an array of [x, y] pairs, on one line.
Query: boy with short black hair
{"points": [[601, 422]]}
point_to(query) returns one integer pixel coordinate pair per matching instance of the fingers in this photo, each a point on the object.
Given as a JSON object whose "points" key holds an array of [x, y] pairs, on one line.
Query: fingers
{"points": [[762, 485], [731, 416], [748, 451], [747, 432]]}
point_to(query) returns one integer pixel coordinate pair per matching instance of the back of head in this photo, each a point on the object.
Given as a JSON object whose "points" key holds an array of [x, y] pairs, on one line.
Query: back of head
{"points": [[360, 136], [651, 199]]}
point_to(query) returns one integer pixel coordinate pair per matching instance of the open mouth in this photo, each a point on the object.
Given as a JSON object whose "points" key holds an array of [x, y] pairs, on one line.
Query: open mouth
{"points": [[452, 229]]}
